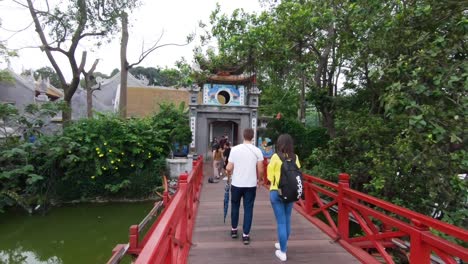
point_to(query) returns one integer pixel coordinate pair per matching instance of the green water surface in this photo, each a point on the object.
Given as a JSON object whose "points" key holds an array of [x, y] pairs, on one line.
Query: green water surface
{"points": [[84, 233]]}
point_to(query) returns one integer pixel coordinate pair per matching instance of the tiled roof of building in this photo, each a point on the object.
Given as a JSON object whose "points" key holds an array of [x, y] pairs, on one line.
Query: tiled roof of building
{"points": [[51, 91], [227, 78]]}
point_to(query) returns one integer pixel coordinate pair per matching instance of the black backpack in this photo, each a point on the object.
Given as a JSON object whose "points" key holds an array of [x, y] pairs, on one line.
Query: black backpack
{"points": [[290, 187]]}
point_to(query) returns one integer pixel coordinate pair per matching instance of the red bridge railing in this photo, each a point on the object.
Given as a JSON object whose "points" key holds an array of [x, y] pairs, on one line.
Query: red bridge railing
{"points": [[169, 238], [383, 225]]}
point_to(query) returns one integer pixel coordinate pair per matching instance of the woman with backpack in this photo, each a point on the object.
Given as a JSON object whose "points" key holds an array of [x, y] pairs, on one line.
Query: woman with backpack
{"points": [[281, 208]]}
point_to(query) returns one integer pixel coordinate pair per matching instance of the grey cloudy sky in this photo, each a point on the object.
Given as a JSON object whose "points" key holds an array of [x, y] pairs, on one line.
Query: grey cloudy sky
{"points": [[176, 18]]}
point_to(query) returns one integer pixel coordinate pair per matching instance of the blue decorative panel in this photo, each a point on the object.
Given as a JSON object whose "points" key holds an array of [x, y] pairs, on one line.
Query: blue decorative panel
{"points": [[265, 145], [223, 94]]}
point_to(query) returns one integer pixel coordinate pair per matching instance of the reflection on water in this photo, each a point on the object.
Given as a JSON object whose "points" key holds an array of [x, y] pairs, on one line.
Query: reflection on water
{"points": [[19, 255], [84, 233]]}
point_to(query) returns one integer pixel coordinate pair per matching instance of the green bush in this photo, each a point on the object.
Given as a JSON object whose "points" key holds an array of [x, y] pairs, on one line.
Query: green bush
{"points": [[105, 157], [352, 150], [174, 122], [20, 180], [388, 161], [109, 157], [306, 139]]}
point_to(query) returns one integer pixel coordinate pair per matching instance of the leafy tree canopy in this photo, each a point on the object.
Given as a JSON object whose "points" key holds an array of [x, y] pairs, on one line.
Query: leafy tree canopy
{"points": [[168, 77], [389, 79]]}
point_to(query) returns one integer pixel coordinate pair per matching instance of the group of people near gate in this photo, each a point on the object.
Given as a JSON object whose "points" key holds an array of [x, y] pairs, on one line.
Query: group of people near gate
{"points": [[244, 170], [221, 150]]}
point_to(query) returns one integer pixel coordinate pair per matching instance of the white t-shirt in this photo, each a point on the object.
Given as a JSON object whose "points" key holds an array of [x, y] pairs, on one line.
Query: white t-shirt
{"points": [[245, 158]]}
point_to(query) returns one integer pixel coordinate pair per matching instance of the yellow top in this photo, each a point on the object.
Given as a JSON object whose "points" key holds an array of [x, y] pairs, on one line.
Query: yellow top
{"points": [[274, 170]]}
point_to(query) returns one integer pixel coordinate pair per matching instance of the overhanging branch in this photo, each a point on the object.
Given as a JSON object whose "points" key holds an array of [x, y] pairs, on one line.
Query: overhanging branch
{"points": [[102, 33], [45, 43], [147, 52], [83, 61]]}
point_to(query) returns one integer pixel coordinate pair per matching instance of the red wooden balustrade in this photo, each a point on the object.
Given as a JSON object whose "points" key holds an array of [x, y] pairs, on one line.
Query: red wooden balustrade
{"points": [[383, 224], [169, 238]]}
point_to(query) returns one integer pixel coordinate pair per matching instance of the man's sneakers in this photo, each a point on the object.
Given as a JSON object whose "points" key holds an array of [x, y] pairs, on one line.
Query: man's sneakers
{"points": [[212, 180], [246, 239], [234, 233], [277, 245], [281, 255]]}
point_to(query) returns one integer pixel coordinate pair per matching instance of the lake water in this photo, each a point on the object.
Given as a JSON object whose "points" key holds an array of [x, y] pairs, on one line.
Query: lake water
{"points": [[84, 233]]}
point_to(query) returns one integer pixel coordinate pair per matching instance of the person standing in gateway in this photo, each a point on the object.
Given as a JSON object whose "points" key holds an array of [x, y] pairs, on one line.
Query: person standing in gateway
{"points": [[245, 170]]}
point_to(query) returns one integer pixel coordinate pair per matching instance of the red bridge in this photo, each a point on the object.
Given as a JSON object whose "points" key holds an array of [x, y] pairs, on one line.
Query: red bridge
{"points": [[190, 228]]}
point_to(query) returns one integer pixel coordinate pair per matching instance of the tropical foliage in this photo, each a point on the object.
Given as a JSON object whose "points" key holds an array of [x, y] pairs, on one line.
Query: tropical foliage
{"points": [[174, 121], [388, 78], [156, 76], [305, 138], [105, 157]]}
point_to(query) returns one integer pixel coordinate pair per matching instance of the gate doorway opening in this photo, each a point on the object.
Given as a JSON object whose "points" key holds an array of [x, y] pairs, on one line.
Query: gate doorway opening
{"points": [[224, 128]]}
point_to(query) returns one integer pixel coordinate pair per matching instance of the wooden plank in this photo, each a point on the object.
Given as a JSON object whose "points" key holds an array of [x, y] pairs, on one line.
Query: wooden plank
{"points": [[212, 242]]}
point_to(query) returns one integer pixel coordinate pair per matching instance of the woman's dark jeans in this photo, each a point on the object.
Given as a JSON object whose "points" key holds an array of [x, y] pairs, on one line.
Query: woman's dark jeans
{"points": [[248, 193]]}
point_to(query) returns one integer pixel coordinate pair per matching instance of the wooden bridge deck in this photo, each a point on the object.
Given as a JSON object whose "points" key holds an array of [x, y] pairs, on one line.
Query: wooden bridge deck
{"points": [[212, 242]]}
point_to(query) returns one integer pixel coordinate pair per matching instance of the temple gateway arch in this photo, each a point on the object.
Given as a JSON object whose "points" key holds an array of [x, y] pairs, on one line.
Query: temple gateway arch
{"points": [[224, 105]]}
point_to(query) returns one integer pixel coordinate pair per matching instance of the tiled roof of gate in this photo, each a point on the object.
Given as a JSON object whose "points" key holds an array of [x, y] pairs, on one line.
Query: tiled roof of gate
{"points": [[231, 78]]}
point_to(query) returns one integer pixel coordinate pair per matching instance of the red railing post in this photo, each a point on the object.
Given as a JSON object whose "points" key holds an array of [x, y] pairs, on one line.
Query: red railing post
{"points": [[420, 252], [309, 201], [165, 198], [181, 232], [133, 239], [343, 211], [166, 191], [196, 179], [265, 171], [194, 164]]}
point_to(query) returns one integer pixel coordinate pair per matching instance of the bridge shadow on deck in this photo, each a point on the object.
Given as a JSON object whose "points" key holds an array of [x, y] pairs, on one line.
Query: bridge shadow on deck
{"points": [[212, 242]]}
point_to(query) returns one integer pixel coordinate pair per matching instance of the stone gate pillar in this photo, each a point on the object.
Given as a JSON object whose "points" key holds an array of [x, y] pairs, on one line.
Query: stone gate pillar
{"points": [[194, 90], [254, 94]]}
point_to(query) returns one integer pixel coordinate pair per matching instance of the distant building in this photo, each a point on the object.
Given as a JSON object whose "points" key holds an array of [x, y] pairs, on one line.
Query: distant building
{"points": [[144, 101], [21, 91], [224, 106]]}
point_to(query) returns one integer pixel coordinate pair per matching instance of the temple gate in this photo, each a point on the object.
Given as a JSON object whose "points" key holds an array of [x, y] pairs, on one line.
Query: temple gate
{"points": [[224, 105]]}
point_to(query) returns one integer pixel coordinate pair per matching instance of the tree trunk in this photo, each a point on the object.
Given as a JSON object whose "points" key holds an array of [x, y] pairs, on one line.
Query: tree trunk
{"points": [[89, 90], [328, 122], [89, 103], [123, 67], [67, 113], [69, 89], [302, 105], [321, 82]]}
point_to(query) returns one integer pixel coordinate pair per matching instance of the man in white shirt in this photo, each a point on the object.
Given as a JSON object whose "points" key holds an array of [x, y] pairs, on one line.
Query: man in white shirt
{"points": [[245, 167]]}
